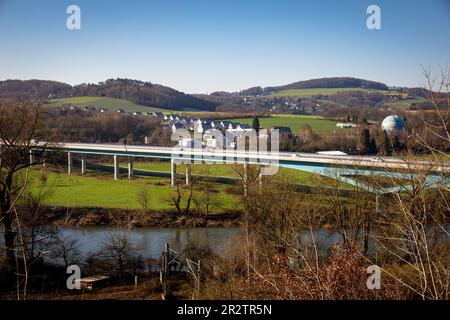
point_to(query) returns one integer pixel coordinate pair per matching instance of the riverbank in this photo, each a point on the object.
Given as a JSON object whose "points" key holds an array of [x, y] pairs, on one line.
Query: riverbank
{"points": [[132, 218]]}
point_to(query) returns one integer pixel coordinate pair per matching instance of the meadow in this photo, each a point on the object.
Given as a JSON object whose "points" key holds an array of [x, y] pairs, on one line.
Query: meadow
{"points": [[229, 171], [316, 91], [103, 102], [103, 191], [295, 122], [405, 104], [99, 189]]}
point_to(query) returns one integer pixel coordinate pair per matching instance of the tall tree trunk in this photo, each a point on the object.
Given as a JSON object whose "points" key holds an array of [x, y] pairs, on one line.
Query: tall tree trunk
{"points": [[9, 238]]}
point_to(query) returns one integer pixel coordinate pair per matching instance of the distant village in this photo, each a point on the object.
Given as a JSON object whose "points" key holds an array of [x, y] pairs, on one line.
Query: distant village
{"points": [[233, 130], [207, 128]]}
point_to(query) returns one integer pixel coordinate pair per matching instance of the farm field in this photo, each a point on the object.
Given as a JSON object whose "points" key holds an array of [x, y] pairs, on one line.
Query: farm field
{"points": [[317, 91], [405, 104], [295, 122], [89, 191], [103, 102]]}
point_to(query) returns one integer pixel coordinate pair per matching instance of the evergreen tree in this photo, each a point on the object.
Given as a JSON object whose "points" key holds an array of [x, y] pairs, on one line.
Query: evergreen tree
{"points": [[384, 144], [365, 140], [372, 146], [255, 124]]}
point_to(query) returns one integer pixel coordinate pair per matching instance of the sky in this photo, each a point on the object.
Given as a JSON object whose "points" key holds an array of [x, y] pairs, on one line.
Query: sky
{"points": [[201, 46]]}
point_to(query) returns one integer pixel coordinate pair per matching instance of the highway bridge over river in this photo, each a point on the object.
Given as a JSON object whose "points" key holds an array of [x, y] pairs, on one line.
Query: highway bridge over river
{"points": [[343, 167]]}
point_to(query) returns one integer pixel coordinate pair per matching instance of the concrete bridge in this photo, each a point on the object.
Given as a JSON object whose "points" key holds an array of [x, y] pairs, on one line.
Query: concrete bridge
{"points": [[342, 167]]}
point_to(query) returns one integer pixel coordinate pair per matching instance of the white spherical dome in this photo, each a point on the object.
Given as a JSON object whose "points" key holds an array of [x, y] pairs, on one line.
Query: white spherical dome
{"points": [[392, 123]]}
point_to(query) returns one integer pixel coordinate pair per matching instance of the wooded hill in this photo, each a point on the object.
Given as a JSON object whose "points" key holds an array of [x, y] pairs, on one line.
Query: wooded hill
{"points": [[138, 92], [336, 82]]}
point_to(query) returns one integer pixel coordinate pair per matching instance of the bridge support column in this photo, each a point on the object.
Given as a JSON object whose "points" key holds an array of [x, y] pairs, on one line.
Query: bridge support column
{"points": [[116, 167], [173, 173], [83, 164], [69, 163], [130, 168], [260, 182], [31, 157], [188, 174]]}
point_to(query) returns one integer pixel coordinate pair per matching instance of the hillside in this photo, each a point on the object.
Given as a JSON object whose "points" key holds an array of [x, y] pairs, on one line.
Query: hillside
{"points": [[32, 89], [102, 102], [319, 91], [138, 92], [143, 93], [336, 82]]}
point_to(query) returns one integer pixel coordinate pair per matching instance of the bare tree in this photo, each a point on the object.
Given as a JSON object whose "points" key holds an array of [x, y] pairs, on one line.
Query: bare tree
{"points": [[206, 201], [182, 197], [21, 129], [143, 197], [120, 256], [414, 225], [67, 249]]}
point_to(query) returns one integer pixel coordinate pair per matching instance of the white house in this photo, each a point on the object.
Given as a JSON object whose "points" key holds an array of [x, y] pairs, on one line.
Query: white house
{"points": [[176, 126], [345, 125], [202, 127]]}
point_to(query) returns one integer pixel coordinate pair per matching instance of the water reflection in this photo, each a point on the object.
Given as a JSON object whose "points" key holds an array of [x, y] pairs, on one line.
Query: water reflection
{"points": [[151, 242]]}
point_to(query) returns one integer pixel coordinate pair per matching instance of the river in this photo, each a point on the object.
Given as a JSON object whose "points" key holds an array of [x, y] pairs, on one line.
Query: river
{"points": [[150, 241]]}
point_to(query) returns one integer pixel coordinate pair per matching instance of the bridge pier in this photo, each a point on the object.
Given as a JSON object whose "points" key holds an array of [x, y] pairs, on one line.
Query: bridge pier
{"points": [[173, 173], [69, 163], [260, 181], [188, 174], [116, 167], [130, 168], [83, 164], [31, 157]]}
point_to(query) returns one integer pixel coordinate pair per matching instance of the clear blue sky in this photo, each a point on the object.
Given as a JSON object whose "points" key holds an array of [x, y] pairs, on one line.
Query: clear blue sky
{"points": [[206, 45]]}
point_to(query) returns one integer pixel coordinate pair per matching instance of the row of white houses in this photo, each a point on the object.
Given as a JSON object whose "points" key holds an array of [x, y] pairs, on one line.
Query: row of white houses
{"points": [[205, 128]]}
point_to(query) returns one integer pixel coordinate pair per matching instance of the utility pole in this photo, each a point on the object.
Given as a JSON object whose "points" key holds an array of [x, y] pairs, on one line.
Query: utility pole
{"points": [[167, 261], [194, 269], [165, 272]]}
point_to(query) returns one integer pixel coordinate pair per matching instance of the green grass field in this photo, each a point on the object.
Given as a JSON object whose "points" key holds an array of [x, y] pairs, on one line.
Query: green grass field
{"points": [[295, 122], [88, 191], [103, 102], [99, 189], [221, 170], [405, 104], [316, 91]]}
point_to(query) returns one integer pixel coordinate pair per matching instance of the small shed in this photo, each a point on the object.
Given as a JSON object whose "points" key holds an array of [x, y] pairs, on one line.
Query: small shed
{"points": [[98, 281]]}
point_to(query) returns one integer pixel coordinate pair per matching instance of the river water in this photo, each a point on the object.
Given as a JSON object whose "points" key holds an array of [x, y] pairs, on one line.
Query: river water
{"points": [[150, 242]]}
